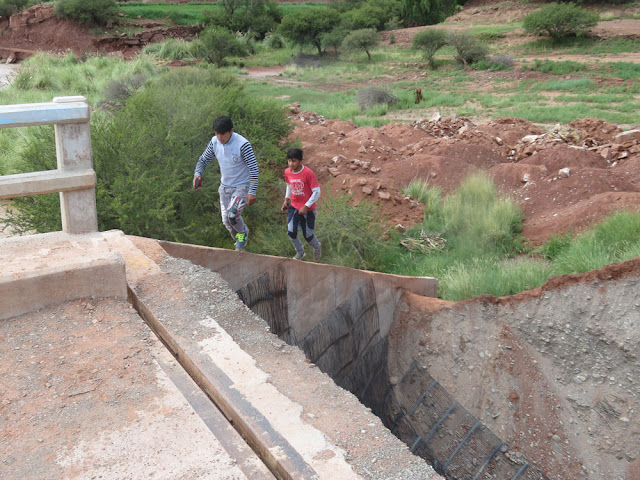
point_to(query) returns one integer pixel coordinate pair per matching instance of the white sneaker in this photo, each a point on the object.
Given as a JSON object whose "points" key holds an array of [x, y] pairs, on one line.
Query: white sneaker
{"points": [[299, 255]]}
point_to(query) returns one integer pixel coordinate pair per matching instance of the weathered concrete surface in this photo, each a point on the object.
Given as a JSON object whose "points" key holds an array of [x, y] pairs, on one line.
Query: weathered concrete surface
{"points": [[50, 181], [330, 285], [87, 391], [38, 270]]}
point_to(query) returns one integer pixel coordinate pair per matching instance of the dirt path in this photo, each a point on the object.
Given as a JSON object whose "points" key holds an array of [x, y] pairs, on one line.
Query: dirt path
{"points": [[7, 73]]}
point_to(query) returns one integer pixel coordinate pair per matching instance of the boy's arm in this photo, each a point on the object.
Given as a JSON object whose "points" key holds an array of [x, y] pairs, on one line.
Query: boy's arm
{"points": [[246, 152], [205, 159]]}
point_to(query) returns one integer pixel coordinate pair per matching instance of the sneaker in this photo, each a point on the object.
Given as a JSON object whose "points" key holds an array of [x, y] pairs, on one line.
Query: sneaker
{"points": [[241, 240], [299, 255], [317, 253]]}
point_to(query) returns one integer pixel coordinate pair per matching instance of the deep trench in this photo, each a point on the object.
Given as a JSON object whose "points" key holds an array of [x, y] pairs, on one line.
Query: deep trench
{"points": [[348, 346]]}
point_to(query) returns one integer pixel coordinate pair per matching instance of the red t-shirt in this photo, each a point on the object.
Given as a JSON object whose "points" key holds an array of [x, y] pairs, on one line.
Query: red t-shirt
{"points": [[300, 185]]}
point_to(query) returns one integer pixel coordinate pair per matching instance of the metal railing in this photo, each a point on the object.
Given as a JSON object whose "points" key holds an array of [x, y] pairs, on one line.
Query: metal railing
{"points": [[74, 178]]}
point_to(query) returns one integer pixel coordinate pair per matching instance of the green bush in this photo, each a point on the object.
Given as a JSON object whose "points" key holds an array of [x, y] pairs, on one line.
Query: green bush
{"points": [[9, 7], [559, 20], [429, 42], [89, 12], [219, 43], [469, 49], [274, 40]]}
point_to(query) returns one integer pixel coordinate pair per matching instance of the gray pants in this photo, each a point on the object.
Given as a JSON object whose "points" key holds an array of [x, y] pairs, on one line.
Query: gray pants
{"points": [[226, 194]]}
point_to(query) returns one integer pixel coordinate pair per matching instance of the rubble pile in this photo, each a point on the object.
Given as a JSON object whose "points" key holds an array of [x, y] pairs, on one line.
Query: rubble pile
{"points": [[623, 145]]}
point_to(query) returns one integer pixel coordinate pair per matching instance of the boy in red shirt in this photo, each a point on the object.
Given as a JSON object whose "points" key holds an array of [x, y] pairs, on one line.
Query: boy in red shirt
{"points": [[300, 202]]}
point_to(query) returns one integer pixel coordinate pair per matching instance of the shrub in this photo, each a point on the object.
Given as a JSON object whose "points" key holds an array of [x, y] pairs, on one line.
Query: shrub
{"points": [[469, 48], [90, 12], [219, 43], [122, 88], [274, 40], [372, 96], [559, 20], [429, 42], [364, 39], [9, 7], [501, 61]]}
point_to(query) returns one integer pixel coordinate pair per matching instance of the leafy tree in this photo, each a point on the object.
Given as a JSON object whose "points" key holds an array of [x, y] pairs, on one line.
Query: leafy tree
{"points": [[559, 20], [334, 38], [307, 26], [9, 7], [468, 47], [90, 12], [256, 16], [429, 42], [427, 12], [364, 39], [219, 43]]}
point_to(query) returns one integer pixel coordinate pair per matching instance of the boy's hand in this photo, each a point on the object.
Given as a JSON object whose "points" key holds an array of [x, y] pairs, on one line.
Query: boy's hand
{"points": [[197, 181], [251, 199], [303, 210], [285, 205]]}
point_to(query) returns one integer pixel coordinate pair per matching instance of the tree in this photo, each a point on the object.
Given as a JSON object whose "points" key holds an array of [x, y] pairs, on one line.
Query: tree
{"points": [[334, 38], [307, 26], [220, 43], [559, 20], [429, 41], [255, 16], [90, 12], [364, 39], [427, 12], [469, 48]]}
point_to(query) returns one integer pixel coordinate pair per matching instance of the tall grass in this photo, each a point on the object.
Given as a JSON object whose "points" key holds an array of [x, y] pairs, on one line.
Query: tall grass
{"points": [[43, 77], [615, 239]]}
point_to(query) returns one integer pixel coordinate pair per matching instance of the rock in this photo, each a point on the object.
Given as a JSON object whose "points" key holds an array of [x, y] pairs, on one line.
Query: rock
{"points": [[367, 190], [564, 173], [498, 140], [362, 149], [384, 195], [525, 178], [628, 135]]}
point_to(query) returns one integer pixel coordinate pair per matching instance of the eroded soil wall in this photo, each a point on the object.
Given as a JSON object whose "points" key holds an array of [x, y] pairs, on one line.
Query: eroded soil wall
{"points": [[553, 371]]}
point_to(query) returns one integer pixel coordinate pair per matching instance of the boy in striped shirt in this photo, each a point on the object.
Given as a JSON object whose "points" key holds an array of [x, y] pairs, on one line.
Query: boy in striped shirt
{"points": [[239, 176]]}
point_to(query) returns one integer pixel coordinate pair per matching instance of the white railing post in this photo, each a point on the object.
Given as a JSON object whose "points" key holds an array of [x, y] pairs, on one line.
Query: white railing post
{"points": [[73, 152]]}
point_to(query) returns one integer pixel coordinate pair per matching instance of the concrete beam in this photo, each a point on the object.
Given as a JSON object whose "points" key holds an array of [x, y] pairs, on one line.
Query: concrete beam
{"points": [[39, 270], [73, 110], [49, 181]]}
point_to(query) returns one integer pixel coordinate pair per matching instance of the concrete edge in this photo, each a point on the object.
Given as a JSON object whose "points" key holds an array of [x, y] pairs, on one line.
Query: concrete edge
{"points": [[252, 426]]}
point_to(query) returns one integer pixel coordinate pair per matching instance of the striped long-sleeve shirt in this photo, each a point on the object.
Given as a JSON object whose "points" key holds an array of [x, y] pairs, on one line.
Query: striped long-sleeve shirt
{"points": [[238, 164]]}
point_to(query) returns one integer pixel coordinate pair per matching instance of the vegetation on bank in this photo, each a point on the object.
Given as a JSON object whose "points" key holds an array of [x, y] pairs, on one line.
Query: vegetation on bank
{"points": [[150, 124]]}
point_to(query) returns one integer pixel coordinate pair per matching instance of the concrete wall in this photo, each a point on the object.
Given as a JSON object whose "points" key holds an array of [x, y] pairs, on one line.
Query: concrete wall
{"points": [[313, 290]]}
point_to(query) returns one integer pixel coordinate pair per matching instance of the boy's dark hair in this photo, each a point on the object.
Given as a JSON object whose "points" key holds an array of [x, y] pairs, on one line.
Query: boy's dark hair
{"points": [[222, 124], [295, 153]]}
